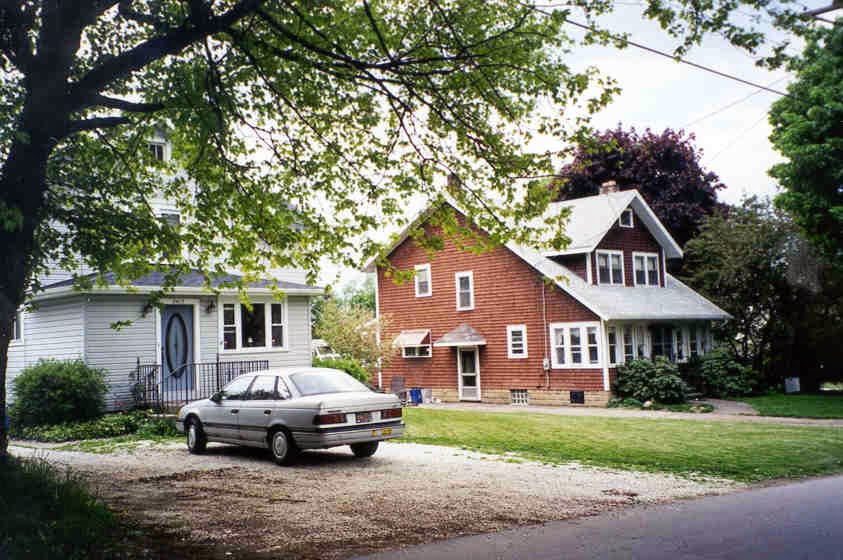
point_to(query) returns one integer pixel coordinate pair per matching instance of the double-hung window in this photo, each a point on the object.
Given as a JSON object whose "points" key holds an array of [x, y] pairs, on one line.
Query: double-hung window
{"points": [[516, 341], [610, 267], [575, 345], [16, 328], [264, 326], [646, 269], [158, 150], [612, 336], [422, 280], [464, 282]]}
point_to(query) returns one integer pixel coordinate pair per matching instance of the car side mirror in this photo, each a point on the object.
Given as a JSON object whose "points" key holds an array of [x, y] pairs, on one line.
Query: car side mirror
{"points": [[217, 397]]}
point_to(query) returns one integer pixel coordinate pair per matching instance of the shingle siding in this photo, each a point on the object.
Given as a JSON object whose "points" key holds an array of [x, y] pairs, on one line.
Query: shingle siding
{"points": [[635, 239], [507, 291]]}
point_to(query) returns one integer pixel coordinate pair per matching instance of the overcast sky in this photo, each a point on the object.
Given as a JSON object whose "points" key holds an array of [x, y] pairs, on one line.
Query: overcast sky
{"points": [[660, 93]]}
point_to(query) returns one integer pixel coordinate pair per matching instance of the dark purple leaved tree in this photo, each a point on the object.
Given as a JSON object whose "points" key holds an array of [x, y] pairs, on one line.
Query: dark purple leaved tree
{"points": [[665, 168]]}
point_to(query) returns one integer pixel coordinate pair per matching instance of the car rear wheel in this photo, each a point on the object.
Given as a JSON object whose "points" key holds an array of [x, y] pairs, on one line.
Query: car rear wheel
{"points": [[366, 449], [196, 438], [282, 447]]}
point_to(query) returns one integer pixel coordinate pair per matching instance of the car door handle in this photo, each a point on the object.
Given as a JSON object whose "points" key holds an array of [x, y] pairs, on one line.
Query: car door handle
{"points": [[235, 411], [267, 412]]}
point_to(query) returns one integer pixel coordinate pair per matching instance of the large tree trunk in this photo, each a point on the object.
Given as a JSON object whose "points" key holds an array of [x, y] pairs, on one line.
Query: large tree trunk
{"points": [[22, 187]]}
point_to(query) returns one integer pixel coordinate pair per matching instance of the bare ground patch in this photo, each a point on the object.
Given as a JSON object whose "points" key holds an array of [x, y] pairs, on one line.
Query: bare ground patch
{"points": [[234, 502]]}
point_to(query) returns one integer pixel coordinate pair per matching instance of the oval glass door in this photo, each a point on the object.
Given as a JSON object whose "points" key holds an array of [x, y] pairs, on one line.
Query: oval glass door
{"points": [[175, 347]]}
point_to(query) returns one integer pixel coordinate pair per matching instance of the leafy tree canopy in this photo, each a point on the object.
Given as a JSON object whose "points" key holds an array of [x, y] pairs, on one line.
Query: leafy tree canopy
{"points": [[787, 307], [665, 168], [808, 131]]}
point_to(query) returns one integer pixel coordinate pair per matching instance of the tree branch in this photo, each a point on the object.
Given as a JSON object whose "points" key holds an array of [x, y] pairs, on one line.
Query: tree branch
{"points": [[124, 105], [95, 123], [155, 48]]}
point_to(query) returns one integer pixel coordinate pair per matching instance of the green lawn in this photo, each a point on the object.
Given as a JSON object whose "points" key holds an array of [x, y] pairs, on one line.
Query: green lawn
{"points": [[803, 406], [736, 450]]}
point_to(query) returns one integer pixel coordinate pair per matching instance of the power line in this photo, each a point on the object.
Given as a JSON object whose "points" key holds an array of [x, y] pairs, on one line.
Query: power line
{"points": [[682, 60], [732, 104], [736, 138]]}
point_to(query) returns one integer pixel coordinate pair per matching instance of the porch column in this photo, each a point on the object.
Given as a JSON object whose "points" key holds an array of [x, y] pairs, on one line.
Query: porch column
{"points": [[604, 355]]}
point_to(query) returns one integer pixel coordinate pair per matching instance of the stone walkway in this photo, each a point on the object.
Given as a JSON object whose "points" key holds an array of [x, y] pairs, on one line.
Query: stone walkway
{"points": [[733, 412]]}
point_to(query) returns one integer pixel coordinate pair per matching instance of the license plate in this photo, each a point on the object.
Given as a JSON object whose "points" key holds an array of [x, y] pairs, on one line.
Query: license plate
{"points": [[363, 417], [384, 432]]}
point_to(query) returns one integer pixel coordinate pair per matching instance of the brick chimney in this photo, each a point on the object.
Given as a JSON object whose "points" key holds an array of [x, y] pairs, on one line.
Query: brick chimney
{"points": [[609, 187]]}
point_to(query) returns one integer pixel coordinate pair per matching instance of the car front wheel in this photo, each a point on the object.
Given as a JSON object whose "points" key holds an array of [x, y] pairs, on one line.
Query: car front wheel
{"points": [[366, 449], [282, 447], [196, 439]]}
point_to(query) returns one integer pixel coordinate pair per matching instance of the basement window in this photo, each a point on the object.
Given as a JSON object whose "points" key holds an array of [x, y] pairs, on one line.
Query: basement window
{"points": [[520, 397]]}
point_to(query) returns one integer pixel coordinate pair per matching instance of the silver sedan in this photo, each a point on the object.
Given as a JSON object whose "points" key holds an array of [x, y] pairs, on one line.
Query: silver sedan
{"points": [[286, 410]]}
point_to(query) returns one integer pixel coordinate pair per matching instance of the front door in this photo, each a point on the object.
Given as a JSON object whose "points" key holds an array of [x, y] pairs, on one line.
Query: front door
{"points": [[177, 351], [468, 369]]}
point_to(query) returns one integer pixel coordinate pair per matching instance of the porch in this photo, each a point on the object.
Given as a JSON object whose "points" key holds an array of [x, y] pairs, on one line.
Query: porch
{"points": [[153, 388]]}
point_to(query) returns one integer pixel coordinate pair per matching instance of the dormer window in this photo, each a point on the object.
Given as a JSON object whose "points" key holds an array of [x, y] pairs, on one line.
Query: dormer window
{"points": [[625, 221], [610, 267], [646, 269], [158, 150]]}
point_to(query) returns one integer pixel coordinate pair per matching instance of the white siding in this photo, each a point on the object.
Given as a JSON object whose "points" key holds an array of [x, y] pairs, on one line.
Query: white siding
{"points": [[298, 326], [117, 351], [52, 331]]}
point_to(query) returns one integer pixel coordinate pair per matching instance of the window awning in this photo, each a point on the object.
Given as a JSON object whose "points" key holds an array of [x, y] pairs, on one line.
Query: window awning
{"points": [[464, 335], [417, 337]]}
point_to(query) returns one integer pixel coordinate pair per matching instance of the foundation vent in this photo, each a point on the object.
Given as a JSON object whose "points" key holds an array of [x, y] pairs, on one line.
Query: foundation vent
{"points": [[577, 397]]}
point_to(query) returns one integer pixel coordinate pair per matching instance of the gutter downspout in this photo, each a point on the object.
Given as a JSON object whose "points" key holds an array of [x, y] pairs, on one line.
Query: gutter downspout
{"points": [[546, 360]]}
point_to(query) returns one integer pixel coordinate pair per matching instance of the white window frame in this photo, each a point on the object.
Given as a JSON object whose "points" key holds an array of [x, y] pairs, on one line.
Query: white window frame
{"points": [[631, 214], [509, 330], [267, 317], [17, 325], [415, 354], [425, 267], [618, 345], [165, 148], [465, 274], [644, 256], [584, 346], [609, 254]]}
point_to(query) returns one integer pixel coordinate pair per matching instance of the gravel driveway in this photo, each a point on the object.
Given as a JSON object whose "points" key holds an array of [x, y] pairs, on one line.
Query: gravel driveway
{"points": [[234, 502]]}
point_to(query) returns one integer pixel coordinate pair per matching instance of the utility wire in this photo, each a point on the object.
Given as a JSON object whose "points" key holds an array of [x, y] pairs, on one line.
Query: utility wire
{"points": [[736, 138], [682, 60], [730, 105]]}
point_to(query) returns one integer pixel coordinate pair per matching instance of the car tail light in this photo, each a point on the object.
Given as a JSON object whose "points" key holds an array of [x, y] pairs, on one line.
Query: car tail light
{"points": [[391, 413], [330, 419]]}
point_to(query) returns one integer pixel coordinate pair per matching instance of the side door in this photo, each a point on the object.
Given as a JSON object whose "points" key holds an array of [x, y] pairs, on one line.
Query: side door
{"points": [[220, 420], [258, 409]]}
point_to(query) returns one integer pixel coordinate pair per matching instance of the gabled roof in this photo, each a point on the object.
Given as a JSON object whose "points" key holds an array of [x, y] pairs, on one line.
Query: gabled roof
{"points": [[592, 217], [672, 302]]}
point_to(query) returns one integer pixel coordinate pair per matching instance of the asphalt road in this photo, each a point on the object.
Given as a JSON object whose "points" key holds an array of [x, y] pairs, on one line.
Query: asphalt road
{"points": [[793, 521]]}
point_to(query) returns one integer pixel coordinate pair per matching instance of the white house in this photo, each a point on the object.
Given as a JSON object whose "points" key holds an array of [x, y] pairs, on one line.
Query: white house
{"points": [[183, 349]]}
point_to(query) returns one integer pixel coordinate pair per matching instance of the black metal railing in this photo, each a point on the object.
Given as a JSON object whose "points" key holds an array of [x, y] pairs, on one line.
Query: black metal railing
{"points": [[188, 383]]}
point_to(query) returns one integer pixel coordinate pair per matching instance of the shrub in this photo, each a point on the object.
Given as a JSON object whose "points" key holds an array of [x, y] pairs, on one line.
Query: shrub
{"points": [[724, 376], [47, 513], [110, 425], [656, 380], [52, 392], [351, 367]]}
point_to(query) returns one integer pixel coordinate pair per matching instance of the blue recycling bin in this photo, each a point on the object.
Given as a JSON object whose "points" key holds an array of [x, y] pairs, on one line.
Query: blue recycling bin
{"points": [[416, 396]]}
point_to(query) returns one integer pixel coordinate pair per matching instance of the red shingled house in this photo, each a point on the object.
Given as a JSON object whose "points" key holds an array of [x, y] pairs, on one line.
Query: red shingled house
{"points": [[490, 327]]}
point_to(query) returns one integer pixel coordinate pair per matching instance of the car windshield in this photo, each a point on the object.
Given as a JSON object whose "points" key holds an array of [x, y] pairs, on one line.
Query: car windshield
{"points": [[322, 381]]}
